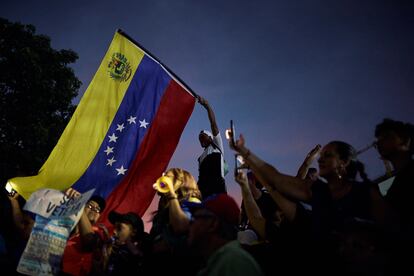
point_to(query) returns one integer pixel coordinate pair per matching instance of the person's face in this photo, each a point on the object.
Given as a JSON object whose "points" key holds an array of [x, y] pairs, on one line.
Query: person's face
{"points": [[329, 161], [279, 217], [123, 232], [388, 143], [92, 211], [205, 140], [200, 226]]}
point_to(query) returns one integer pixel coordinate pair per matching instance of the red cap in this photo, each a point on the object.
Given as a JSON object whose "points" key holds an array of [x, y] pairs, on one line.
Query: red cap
{"points": [[224, 207]]}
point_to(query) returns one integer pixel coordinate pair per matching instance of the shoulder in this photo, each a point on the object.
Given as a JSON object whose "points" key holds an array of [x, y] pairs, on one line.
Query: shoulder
{"points": [[218, 136], [234, 252], [234, 259], [402, 187], [218, 140], [185, 207], [319, 185]]}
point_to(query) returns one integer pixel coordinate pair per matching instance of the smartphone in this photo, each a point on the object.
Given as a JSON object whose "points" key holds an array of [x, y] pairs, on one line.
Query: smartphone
{"points": [[233, 133], [238, 162], [230, 133], [236, 166], [10, 189]]}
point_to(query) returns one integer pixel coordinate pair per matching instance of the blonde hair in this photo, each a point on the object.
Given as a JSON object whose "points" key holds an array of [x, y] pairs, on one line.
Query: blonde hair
{"points": [[184, 184]]}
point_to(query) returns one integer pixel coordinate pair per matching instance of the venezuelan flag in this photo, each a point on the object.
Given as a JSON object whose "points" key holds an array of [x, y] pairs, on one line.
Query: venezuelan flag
{"points": [[122, 134]]}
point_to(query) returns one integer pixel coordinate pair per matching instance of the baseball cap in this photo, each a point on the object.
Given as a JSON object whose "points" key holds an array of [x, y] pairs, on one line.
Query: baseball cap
{"points": [[223, 206], [129, 218], [101, 202], [208, 133]]}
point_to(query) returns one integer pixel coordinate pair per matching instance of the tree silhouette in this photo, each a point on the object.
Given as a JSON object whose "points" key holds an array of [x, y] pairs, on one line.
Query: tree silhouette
{"points": [[37, 87]]}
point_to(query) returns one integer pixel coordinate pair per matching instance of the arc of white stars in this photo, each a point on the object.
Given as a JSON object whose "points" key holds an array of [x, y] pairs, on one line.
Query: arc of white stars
{"points": [[120, 127], [112, 138], [121, 170], [131, 120], [109, 150], [143, 123], [110, 161]]}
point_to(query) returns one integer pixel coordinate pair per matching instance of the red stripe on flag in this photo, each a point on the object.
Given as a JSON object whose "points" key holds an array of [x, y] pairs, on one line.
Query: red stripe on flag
{"points": [[135, 192]]}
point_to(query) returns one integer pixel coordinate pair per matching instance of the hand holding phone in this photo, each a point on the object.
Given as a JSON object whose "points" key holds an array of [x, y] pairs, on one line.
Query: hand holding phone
{"points": [[11, 192], [241, 178], [239, 164]]}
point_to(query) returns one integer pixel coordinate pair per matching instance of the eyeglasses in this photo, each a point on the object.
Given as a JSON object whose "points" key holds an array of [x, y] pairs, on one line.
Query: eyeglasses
{"points": [[95, 209]]}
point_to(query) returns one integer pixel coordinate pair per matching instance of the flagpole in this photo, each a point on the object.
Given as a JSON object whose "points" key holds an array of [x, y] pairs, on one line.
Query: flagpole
{"points": [[195, 95]]}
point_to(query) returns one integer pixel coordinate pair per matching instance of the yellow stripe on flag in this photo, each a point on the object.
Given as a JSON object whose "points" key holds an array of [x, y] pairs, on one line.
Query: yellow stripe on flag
{"points": [[88, 126]]}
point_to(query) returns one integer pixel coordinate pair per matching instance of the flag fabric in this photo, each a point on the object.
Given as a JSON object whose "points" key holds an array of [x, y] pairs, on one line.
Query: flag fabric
{"points": [[122, 134]]}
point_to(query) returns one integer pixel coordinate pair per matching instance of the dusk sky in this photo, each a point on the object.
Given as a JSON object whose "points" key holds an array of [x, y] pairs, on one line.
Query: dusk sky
{"points": [[291, 74]]}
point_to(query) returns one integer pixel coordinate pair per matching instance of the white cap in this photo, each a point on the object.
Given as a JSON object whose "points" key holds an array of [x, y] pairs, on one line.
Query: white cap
{"points": [[208, 133]]}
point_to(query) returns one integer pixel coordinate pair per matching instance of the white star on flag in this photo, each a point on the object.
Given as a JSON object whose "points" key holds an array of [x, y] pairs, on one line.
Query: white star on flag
{"points": [[120, 127], [131, 120], [112, 138], [110, 161], [109, 150], [121, 170], [143, 124]]}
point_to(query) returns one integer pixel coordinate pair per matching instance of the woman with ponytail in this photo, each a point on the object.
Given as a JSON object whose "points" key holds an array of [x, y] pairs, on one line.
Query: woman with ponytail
{"points": [[339, 195], [336, 198]]}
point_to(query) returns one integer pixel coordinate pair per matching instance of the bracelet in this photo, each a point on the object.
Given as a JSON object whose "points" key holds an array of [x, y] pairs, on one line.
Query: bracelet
{"points": [[172, 197]]}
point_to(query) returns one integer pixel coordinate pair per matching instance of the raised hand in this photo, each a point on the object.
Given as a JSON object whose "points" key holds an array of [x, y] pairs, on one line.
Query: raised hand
{"points": [[313, 153], [239, 145], [241, 179], [71, 193], [13, 196], [203, 101]]}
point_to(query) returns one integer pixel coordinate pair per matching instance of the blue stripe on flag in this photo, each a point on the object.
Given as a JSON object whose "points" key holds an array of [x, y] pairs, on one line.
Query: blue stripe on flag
{"points": [[127, 130]]}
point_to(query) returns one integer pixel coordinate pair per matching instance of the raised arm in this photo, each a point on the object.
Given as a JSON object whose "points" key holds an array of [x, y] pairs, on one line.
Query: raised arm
{"points": [[179, 220], [254, 215], [211, 116], [23, 222], [287, 206], [256, 192], [88, 237], [289, 186], [303, 169]]}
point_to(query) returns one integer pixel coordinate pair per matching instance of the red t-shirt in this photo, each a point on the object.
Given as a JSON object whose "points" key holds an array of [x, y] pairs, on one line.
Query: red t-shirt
{"points": [[77, 261]]}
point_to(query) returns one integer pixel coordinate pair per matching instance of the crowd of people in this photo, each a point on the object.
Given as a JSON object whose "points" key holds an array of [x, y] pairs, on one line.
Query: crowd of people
{"points": [[329, 220]]}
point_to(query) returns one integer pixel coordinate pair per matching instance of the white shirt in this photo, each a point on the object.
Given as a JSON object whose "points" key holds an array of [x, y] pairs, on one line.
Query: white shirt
{"points": [[210, 149]]}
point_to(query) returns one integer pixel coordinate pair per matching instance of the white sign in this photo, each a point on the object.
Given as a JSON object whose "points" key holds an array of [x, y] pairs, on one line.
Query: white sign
{"points": [[57, 215], [51, 203]]}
